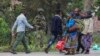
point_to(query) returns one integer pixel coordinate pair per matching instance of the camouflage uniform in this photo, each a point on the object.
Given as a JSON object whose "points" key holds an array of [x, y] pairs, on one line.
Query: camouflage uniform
{"points": [[40, 24]]}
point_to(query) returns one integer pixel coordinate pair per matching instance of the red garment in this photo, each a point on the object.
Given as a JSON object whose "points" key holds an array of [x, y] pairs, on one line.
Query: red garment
{"points": [[60, 45]]}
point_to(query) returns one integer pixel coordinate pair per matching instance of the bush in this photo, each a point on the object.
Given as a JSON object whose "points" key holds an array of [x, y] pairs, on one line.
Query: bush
{"points": [[17, 10], [4, 32]]}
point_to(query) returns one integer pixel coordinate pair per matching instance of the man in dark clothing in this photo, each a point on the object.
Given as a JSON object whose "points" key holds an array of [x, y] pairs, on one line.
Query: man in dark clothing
{"points": [[80, 46], [56, 29]]}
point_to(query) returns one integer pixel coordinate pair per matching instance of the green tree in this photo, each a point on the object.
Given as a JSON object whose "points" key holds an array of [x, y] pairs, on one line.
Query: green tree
{"points": [[4, 32]]}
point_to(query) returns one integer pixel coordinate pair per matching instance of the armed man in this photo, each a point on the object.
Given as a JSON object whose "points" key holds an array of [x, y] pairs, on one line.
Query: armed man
{"points": [[40, 25]]}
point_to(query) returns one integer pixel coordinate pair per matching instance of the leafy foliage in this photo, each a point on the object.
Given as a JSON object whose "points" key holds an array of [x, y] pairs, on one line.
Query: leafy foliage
{"points": [[4, 32], [98, 4], [8, 15]]}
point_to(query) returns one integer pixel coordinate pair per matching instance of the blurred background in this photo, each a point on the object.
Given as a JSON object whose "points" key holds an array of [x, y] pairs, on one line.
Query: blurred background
{"points": [[10, 9]]}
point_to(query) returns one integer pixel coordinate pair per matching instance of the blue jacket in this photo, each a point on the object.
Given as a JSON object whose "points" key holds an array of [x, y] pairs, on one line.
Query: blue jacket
{"points": [[69, 24]]}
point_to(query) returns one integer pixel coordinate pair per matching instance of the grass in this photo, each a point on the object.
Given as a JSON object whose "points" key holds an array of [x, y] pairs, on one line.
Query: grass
{"points": [[20, 48]]}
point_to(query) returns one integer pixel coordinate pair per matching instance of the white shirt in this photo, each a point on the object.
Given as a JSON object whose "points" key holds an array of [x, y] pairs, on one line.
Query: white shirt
{"points": [[21, 23]]}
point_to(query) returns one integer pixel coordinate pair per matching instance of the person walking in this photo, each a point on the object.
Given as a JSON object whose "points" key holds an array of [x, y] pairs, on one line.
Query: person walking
{"points": [[56, 29], [20, 24]]}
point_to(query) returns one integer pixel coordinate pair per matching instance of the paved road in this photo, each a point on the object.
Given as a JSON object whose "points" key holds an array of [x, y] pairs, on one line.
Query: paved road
{"points": [[93, 53]]}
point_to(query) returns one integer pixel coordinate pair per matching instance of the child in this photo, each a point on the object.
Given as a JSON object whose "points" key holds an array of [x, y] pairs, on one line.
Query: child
{"points": [[87, 41]]}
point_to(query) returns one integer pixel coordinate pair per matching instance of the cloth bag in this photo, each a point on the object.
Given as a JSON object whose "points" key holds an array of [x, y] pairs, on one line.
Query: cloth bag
{"points": [[60, 45]]}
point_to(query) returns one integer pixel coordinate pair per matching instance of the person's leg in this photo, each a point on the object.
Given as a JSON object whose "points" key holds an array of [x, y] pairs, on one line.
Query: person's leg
{"points": [[87, 47], [25, 43], [18, 39], [72, 49], [88, 43], [73, 44], [68, 45], [51, 41], [82, 47], [78, 48], [38, 36], [87, 51], [41, 38]]}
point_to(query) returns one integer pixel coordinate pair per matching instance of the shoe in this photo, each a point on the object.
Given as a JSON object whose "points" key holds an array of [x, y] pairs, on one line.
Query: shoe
{"points": [[13, 52], [87, 52], [82, 52], [46, 50]]}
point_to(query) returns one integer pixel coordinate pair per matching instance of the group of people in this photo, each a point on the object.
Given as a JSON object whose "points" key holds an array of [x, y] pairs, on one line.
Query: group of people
{"points": [[74, 38], [21, 23]]}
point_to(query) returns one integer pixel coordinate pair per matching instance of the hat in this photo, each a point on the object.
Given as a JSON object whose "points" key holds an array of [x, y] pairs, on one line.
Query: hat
{"points": [[40, 10]]}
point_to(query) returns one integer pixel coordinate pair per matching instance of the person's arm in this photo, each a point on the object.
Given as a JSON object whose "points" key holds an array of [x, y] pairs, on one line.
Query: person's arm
{"points": [[14, 26], [71, 26], [71, 23], [85, 15], [26, 23], [44, 21], [35, 20]]}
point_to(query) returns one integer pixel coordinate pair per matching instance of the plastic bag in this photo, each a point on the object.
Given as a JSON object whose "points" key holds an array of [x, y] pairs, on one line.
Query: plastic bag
{"points": [[60, 45]]}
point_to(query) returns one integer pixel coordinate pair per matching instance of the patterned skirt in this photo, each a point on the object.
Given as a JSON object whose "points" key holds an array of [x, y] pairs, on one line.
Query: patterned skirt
{"points": [[71, 42]]}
